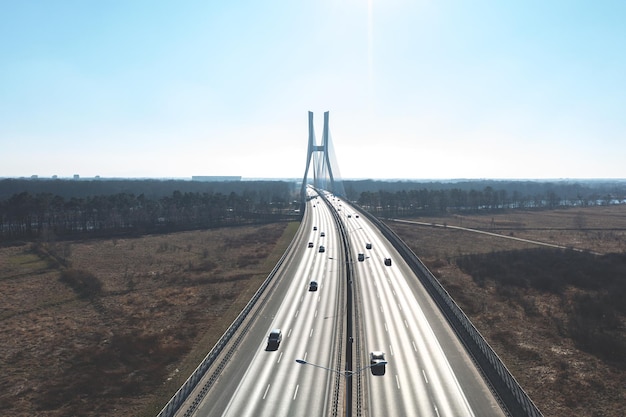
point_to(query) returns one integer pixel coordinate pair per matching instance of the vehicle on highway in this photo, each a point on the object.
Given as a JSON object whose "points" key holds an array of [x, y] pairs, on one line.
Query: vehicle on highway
{"points": [[274, 339], [377, 361], [368, 245], [313, 286], [314, 228], [310, 244], [322, 234], [349, 216], [322, 248], [388, 261], [361, 257], [357, 216]]}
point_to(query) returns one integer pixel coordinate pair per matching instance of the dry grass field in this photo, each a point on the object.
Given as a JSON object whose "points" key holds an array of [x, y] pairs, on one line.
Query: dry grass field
{"points": [[557, 318], [113, 327]]}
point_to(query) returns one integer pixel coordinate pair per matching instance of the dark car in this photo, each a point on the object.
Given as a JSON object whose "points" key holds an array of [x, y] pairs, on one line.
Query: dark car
{"points": [[377, 362], [313, 286], [322, 234], [388, 261], [322, 249], [361, 257], [368, 246], [314, 228], [274, 339], [310, 244]]}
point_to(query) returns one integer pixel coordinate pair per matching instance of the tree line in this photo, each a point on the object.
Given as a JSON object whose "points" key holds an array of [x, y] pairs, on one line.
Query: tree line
{"points": [[43, 208], [407, 198], [25, 215], [150, 188]]}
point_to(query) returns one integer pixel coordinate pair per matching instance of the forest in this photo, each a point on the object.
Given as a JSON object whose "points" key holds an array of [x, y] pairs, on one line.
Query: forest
{"points": [[406, 198], [50, 209], [46, 208]]}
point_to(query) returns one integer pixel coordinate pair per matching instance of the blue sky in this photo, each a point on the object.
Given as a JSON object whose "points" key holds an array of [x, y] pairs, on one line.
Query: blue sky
{"points": [[415, 88]]}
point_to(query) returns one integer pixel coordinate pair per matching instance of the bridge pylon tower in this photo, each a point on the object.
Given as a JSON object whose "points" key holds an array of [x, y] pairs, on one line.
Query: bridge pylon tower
{"points": [[323, 176]]}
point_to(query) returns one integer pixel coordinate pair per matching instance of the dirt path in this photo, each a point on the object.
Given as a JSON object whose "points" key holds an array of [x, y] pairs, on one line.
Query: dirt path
{"points": [[519, 239]]}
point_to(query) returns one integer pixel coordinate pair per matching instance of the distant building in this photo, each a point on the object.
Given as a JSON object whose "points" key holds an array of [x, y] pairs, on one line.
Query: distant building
{"points": [[76, 176], [208, 178]]}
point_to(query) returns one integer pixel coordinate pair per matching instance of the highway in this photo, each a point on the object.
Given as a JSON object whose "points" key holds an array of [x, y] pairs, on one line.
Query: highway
{"points": [[428, 371], [262, 382]]}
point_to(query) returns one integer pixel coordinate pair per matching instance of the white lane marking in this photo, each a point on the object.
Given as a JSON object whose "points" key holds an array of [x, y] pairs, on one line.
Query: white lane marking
{"points": [[381, 309], [406, 324], [297, 312], [295, 394], [266, 389], [436, 410], [315, 313], [305, 353], [301, 298], [425, 377], [280, 356], [391, 350], [398, 381], [394, 291], [414, 346], [311, 334], [386, 329], [399, 307], [289, 334]]}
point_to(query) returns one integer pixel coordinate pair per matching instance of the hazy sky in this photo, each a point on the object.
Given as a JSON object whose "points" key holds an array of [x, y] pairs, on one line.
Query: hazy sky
{"points": [[415, 88]]}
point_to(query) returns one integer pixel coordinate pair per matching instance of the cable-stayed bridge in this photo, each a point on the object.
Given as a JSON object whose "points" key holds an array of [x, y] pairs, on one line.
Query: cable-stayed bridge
{"points": [[372, 298], [323, 159]]}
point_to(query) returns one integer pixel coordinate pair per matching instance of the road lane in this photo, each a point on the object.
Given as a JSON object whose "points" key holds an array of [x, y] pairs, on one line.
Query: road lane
{"points": [[270, 382]]}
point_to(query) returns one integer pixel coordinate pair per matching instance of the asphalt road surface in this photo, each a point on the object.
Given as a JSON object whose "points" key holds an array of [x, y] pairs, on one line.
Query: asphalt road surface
{"points": [[428, 371]]}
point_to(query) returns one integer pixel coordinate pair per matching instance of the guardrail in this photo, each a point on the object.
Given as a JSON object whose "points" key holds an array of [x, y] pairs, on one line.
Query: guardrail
{"points": [[513, 398], [174, 404], [345, 243]]}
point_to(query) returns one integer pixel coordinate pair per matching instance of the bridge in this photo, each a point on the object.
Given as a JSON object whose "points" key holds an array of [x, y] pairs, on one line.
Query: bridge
{"points": [[366, 330]]}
